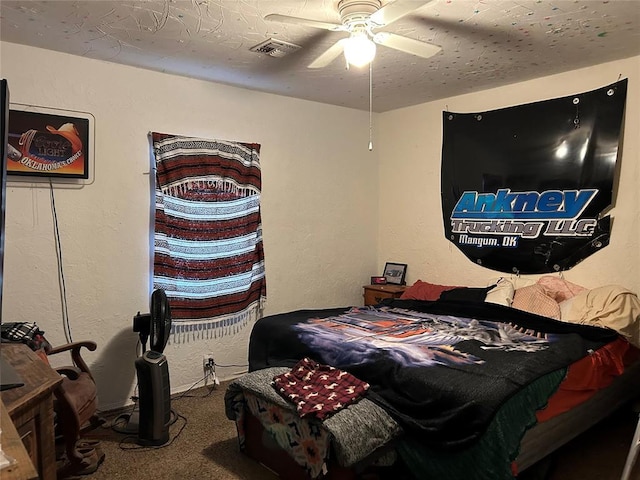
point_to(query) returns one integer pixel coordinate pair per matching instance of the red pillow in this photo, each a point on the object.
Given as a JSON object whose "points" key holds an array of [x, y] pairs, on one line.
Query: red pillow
{"points": [[425, 291]]}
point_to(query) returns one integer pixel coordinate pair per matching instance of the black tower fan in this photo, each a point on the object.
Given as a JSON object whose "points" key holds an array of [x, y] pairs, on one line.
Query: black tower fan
{"points": [[152, 368]]}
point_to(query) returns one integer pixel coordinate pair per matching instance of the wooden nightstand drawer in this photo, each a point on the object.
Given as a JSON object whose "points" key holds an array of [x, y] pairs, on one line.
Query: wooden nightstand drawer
{"points": [[374, 294]]}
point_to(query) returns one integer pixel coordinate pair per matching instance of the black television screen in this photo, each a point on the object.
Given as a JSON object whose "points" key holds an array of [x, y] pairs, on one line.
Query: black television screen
{"points": [[4, 126]]}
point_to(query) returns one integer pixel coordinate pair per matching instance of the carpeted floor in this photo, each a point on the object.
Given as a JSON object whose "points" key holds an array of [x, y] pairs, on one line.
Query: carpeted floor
{"points": [[204, 446]]}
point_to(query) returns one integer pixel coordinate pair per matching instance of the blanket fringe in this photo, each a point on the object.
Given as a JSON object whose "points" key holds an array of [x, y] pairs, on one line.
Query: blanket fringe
{"points": [[217, 184], [218, 327]]}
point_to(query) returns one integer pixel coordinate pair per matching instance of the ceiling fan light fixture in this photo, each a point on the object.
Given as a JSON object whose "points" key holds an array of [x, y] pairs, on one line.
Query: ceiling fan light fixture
{"points": [[359, 50]]}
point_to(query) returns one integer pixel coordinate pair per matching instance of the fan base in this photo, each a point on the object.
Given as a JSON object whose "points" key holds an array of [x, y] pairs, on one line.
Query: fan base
{"points": [[357, 11]]}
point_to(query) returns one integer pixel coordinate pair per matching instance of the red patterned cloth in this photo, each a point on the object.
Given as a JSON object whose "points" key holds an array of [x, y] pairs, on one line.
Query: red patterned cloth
{"points": [[319, 390], [208, 249]]}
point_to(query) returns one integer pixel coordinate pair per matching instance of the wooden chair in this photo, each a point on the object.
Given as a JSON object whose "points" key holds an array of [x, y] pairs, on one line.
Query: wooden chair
{"points": [[75, 405]]}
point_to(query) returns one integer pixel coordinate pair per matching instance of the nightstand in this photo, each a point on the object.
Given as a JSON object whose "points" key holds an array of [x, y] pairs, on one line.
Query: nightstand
{"points": [[374, 294]]}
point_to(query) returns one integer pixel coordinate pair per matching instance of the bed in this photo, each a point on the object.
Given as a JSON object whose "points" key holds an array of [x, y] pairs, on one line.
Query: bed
{"points": [[459, 386]]}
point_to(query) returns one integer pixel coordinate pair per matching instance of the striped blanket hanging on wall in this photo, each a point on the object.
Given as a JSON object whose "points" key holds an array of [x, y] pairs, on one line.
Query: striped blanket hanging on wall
{"points": [[208, 254]]}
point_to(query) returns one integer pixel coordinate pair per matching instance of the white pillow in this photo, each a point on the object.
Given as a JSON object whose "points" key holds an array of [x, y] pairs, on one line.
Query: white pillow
{"points": [[565, 310], [521, 282], [502, 293]]}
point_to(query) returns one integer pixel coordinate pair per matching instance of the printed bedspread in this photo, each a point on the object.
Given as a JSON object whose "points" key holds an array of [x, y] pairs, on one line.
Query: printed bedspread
{"points": [[364, 433], [441, 370]]}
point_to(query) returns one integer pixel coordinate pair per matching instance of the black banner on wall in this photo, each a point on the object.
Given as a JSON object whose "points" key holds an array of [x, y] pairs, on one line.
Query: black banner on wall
{"points": [[525, 188]]}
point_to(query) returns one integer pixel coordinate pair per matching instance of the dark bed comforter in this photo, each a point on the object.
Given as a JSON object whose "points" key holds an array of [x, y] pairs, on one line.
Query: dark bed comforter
{"points": [[441, 369]]}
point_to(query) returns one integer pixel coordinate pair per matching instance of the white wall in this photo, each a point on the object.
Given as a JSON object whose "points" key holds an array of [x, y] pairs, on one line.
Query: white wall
{"points": [[319, 222], [411, 229], [324, 234]]}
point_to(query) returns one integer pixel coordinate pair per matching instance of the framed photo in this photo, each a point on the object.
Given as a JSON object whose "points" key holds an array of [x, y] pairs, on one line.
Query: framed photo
{"points": [[48, 143], [395, 272]]}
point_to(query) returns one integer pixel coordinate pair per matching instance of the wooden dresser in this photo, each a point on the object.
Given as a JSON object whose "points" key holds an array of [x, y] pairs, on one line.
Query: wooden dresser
{"points": [[21, 466], [30, 407], [374, 294]]}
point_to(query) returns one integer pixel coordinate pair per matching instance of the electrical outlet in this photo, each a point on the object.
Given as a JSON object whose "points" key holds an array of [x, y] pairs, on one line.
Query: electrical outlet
{"points": [[207, 362], [209, 367]]}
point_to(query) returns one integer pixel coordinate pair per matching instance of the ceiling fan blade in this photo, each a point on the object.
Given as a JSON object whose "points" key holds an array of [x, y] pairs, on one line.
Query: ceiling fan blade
{"points": [[307, 22], [395, 10], [329, 55], [406, 44]]}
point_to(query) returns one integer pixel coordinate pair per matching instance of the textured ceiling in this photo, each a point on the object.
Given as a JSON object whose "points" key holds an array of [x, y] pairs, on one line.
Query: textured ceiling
{"points": [[485, 43]]}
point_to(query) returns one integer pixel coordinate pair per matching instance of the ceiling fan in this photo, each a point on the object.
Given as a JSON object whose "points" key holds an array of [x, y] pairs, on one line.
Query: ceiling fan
{"points": [[360, 18]]}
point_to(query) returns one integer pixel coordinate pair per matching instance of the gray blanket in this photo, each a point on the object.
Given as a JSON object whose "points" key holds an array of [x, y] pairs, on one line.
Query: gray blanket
{"points": [[358, 430]]}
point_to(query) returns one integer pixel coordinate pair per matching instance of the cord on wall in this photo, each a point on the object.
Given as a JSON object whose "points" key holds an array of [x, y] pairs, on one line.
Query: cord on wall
{"points": [[61, 281]]}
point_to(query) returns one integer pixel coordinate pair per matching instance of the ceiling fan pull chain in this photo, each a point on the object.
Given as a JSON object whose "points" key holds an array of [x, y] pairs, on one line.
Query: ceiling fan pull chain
{"points": [[370, 106]]}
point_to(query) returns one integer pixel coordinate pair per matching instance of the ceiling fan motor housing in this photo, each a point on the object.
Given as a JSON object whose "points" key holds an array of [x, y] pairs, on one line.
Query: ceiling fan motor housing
{"points": [[357, 12]]}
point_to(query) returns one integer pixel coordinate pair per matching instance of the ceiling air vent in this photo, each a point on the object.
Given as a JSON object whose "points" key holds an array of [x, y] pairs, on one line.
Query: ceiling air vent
{"points": [[275, 48]]}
